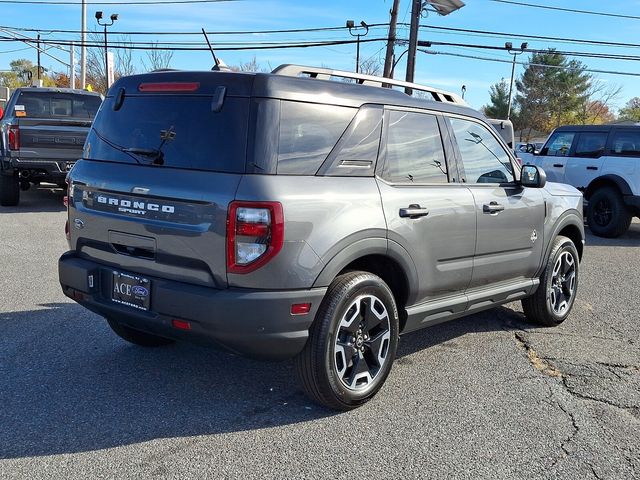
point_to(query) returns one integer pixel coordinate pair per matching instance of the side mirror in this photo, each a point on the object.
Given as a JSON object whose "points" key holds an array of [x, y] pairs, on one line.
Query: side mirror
{"points": [[532, 176]]}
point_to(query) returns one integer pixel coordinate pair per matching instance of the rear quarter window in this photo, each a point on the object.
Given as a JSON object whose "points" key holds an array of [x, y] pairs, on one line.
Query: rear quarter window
{"points": [[626, 143], [308, 133]]}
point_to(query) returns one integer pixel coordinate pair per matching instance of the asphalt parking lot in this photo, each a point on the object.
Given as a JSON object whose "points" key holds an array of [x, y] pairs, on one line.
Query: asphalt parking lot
{"points": [[488, 396]]}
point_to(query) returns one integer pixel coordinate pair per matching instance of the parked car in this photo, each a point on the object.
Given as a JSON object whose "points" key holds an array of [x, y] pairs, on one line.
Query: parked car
{"points": [[603, 161], [283, 216], [42, 132]]}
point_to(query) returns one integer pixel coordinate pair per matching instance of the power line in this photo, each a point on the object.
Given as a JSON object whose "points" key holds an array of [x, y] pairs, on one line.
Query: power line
{"points": [[199, 33], [535, 37], [154, 2], [541, 65], [571, 10]]}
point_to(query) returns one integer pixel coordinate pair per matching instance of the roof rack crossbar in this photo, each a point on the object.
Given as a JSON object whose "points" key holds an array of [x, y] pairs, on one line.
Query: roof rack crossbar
{"points": [[363, 79]]}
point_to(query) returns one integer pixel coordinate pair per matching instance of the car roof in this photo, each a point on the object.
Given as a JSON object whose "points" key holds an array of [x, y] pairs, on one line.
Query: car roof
{"points": [[269, 85], [592, 128], [57, 90]]}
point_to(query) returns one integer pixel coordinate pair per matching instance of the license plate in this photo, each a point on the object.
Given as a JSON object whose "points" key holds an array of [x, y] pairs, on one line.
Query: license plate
{"points": [[131, 290]]}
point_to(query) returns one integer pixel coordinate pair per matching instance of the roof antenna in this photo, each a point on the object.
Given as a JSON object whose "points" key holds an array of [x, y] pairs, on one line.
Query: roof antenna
{"points": [[218, 65]]}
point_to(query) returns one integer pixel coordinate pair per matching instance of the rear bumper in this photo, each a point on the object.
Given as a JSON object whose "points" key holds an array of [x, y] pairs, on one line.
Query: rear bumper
{"points": [[250, 322], [38, 169]]}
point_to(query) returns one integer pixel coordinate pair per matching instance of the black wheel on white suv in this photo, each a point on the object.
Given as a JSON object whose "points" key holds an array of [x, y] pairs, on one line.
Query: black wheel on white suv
{"points": [[352, 342], [137, 337], [9, 190], [556, 294], [607, 214]]}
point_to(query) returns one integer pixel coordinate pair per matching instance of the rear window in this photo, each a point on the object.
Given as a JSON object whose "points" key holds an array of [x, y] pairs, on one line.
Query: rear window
{"points": [[185, 130], [56, 105]]}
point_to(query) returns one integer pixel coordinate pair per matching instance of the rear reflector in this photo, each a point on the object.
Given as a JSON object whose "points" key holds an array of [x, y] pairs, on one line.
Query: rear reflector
{"points": [[181, 324], [169, 87], [300, 308]]}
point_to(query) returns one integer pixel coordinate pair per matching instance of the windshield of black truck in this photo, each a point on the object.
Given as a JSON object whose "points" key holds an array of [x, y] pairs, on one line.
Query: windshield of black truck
{"points": [[57, 105], [171, 131]]}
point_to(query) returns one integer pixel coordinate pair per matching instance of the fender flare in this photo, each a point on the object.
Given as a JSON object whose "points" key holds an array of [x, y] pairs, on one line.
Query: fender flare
{"points": [[370, 246], [617, 180], [569, 218]]}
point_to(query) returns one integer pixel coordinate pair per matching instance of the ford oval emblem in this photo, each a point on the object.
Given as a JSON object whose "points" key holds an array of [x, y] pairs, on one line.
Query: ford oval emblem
{"points": [[78, 223], [139, 291]]}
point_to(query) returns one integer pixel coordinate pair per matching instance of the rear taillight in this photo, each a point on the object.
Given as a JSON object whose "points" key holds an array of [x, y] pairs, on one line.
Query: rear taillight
{"points": [[255, 233], [14, 137]]}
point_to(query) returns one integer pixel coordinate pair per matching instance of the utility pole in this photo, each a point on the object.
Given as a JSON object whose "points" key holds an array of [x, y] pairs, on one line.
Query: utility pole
{"points": [[83, 48], [388, 59], [416, 8], [72, 68], [39, 61]]}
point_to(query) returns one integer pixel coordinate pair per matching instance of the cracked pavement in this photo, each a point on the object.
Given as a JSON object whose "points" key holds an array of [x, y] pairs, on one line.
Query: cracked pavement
{"points": [[489, 396]]}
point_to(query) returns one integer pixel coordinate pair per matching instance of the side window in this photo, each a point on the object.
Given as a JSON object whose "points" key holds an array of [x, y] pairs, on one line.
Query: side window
{"points": [[308, 132], [483, 158], [559, 144], [414, 149], [591, 144], [626, 143]]}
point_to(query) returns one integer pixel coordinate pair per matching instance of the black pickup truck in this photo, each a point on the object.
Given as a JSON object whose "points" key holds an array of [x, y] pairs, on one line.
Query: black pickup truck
{"points": [[42, 132]]}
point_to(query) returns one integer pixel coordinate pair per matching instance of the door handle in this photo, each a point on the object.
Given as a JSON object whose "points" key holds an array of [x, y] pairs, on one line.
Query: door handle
{"points": [[414, 211], [592, 168], [558, 165], [493, 207]]}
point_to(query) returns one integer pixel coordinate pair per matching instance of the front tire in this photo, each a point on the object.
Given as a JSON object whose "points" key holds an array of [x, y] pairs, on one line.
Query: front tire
{"points": [[9, 190], [607, 214], [352, 342], [137, 337], [556, 294]]}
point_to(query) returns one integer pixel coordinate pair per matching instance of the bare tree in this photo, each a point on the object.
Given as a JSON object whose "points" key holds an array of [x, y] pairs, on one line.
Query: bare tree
{"points": [[123, 62], [596, 106], [157, 59], [251, 66], [371, 66]]}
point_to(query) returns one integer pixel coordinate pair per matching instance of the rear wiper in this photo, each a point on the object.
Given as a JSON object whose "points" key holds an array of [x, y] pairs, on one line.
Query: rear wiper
{"points": [[158, 156], [134, 153]]}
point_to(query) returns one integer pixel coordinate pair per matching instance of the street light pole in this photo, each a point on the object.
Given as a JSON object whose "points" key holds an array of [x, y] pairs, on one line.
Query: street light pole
{"points": [[113, 18], [83, 47], [351, 25], [509, 47]]}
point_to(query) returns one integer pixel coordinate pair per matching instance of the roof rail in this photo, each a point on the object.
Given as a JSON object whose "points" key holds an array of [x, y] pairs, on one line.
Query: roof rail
{"points": [[362, 79]]}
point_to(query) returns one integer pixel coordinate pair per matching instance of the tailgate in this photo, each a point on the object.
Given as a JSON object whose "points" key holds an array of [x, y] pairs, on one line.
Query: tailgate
{"points": [[163, 222], [49, 139]]}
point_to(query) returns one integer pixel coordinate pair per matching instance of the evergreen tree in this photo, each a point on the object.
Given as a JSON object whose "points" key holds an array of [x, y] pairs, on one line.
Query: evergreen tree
{"points": [[499, 96]]}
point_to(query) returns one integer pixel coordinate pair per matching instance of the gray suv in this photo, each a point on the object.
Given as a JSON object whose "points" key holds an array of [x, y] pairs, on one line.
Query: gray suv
{"points": [[289, 215]]}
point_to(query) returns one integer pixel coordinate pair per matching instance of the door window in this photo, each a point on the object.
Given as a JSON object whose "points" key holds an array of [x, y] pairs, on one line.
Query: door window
{"points": [[559, 144], [483, 157], [414, 149], [591, 144], [626, 143]]}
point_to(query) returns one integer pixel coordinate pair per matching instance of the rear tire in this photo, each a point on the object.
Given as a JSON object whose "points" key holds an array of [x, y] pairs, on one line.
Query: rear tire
{"points": [[137, 337], [556, 294], [607, 214], [9, 190], [352, 342]]}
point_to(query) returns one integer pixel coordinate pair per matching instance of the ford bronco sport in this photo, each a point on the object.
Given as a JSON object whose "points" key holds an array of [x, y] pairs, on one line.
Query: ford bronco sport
{"points": [[288, 215]]}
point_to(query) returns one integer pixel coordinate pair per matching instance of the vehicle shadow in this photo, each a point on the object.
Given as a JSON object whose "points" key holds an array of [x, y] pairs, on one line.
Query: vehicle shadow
{"points": [[38, 199], [630, 239], [70, 385]]}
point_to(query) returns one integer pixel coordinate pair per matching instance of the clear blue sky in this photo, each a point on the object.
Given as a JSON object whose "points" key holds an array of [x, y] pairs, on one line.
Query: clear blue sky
{"points": [[446, 72]]}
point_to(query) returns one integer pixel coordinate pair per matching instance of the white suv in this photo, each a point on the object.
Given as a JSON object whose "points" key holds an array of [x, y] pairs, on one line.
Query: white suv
{"points": [[604, 162]]}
